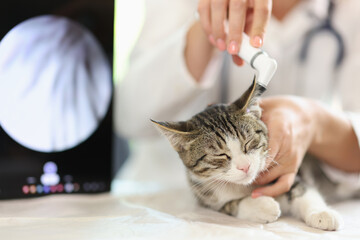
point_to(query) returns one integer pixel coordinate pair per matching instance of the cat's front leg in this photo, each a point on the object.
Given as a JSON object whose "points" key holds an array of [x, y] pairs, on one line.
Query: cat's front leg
{"points": [[307, 203], [262, 209]]}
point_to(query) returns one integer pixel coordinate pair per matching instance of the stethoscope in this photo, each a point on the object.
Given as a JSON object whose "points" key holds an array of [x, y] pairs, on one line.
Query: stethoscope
{"points": [[326, 26]]}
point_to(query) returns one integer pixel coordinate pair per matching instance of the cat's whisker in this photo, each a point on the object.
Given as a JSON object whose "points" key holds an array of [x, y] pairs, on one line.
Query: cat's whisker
{"points": [[278, 154], [214, 183], [208, 182], [272, 163], [211, 188], [223, 185], [212, 178], [276, 163]]}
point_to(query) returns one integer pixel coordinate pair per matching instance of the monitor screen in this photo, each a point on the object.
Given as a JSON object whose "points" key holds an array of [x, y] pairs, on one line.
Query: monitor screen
{"points": [[55, 97]]}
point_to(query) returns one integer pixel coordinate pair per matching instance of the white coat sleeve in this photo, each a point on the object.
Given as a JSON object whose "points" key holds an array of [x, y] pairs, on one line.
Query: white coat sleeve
{"points": [[158, 84]]}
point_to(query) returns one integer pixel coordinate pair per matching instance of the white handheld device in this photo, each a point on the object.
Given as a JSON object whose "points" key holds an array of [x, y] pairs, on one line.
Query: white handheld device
{"points": [[259, 60]]}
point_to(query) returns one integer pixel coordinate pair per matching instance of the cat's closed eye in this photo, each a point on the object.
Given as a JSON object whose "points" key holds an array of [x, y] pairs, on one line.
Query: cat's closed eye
{"points": [[250, 145], [224, 155]]}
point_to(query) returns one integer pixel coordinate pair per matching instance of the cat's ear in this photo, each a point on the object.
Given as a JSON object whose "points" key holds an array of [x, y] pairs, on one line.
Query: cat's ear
{"points": [[249, 101], [179, 134]]}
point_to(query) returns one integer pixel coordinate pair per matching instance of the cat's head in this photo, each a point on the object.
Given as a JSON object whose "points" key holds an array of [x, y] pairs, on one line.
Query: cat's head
{"points": [[224, 142]]}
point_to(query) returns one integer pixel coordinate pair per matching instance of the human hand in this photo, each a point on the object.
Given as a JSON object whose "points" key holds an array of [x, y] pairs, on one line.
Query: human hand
{"points": [[250, 16], [291, 129]]}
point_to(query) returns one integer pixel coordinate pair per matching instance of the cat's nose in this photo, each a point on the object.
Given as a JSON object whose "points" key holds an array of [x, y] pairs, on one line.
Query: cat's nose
{"points": [[244, 168]]}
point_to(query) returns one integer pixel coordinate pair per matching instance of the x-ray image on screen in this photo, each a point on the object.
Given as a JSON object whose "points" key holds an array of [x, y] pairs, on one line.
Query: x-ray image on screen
{"points": [[55, 97], [55, 83]]}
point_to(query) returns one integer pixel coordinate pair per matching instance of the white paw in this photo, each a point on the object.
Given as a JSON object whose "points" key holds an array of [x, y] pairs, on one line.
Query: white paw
{"points": [[326, 220], [262, 210]]}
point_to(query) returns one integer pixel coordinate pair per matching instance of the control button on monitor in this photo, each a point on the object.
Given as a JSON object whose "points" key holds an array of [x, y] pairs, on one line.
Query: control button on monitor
{"points": [[25, 189], [50, 176]]}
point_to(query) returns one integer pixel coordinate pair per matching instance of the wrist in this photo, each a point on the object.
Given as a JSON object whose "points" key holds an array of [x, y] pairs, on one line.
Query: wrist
{"points": [[317, 112]]}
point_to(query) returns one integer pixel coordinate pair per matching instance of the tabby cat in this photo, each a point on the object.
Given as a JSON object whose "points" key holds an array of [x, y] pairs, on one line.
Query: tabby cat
{"points": [[224, 149]]}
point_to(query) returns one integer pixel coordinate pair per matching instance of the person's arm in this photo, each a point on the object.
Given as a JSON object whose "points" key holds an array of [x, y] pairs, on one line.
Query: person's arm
{"points": [[198, 51], [335, 141], [297, 125]]}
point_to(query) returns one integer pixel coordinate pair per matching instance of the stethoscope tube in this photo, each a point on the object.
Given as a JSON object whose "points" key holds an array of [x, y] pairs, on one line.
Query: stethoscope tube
{"points": [[331, 97], [326, 26]]}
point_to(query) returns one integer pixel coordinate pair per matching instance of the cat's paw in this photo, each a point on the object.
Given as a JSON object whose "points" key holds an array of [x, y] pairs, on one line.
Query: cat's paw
{"points": [[326, 220], [262, 209]]}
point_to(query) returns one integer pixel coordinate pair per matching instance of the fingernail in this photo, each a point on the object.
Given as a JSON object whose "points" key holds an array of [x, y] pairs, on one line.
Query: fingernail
{"points": [[242, 63], [221, 44], [256, 194], [233, 47], [212, 40], [257, 41]]}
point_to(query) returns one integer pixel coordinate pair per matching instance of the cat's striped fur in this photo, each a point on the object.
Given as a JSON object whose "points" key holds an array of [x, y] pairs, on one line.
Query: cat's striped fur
{"points": [[224, 148]]}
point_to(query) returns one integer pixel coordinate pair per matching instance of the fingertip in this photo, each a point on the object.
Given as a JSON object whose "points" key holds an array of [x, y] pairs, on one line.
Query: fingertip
{"points": [[262, 13], [212, 40], [233, 47], [265, 191], [220, 43], [257, 41], [256, 194], [275, 189], [237, 60]]}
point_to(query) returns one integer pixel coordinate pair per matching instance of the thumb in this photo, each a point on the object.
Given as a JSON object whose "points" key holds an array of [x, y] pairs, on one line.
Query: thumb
{"points": [[282, 185], [269, 176]]}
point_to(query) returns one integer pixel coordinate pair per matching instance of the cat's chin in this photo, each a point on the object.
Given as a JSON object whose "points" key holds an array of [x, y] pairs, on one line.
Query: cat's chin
{"points": [[246, 180]]}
